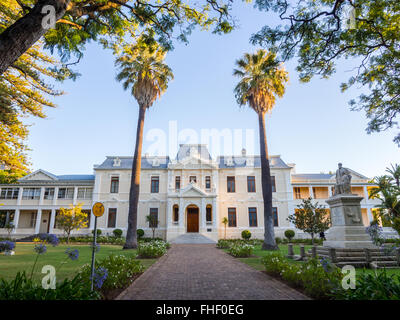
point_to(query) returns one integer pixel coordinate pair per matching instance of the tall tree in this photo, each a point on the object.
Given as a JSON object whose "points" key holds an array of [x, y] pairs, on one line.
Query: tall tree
{"points": [[321, 33], [78, 22], [24, 91], [262, 79], [142, 69]]}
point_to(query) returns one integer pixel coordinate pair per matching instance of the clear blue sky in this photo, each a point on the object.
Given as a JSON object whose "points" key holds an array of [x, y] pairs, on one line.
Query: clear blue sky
{"points": [[311, 126]]}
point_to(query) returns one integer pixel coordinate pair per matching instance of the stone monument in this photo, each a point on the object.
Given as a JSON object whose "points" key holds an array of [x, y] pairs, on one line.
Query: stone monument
{"points": [[348, 230]]}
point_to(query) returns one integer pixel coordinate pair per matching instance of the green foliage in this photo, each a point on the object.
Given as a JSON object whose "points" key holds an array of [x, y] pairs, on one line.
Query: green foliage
{"points": [[121, 271], [98, 232], [117, 233], [289, 234], [152, 249], [317, 278], [241, 250], [23, 288], [140, 233], [278, 240], [246, 234], [321, 33], [223, 244], [310, 217], [262, 79], [376, 286]]}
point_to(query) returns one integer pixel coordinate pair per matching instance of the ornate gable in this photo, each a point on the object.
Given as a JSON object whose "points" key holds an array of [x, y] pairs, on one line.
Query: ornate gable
{"points": [[39, 175]]}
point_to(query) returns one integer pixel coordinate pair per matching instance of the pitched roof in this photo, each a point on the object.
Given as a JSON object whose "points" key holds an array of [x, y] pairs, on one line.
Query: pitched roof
{"points": [[241, 162], [126, 163], [187, 150]]}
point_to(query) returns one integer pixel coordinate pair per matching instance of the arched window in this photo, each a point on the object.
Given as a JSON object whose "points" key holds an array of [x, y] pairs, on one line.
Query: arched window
{"points": [[175, 210], [208, 213]]}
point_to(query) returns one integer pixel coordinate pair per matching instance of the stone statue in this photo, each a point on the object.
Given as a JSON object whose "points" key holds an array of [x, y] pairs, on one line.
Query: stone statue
{"points": [[343, 180]]}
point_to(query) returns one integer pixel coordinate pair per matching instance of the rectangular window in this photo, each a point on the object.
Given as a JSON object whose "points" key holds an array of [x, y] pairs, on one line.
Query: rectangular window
{"points": [[231, 184], [273, 184], [9, 193], [31, 193], [114, 188], [65, 193], [32, 223], [252, 217], [112, 217], [208, 214], [192, 179], [176, 213], [177, 183], [297, 193], [85, 193], [48, 194], [251, 184], [208, 182], [232, 217], [275, 216], [153, 223], [155, 184]]}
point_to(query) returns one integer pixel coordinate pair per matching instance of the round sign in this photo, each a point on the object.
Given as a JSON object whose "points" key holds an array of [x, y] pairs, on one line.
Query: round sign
{"points": [[98, 209]]}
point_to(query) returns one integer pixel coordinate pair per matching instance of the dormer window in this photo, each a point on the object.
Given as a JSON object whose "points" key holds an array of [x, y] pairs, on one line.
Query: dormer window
{"points": [[229, 162], [156, 163], [192, 179], [250, 162], [117, 162]]}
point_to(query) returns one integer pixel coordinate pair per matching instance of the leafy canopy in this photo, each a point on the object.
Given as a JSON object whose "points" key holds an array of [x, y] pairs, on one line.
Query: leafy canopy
{"points": [[24, 91], [142, 68], [320, 33], [73, 218], [262, 79]]}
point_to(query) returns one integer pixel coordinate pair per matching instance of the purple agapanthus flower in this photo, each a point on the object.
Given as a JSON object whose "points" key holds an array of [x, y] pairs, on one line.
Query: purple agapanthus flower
{"points": [[7, 246], [40, 248], [72, 254], [50, 238], [100, 275]]}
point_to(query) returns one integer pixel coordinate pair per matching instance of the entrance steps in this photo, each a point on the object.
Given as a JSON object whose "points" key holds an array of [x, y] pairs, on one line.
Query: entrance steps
{"points": [[192, 238]]}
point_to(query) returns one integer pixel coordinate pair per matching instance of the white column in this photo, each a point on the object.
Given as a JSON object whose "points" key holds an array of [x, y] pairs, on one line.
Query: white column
{"points": [[16, 219], [19, 200], [311, 192], [366, 194], [38, 221], [214, 213], [330, 191], [181, 213], [55, 196], [75, 195], [169, 213], [52, 220], [41, 196], [203, 213]]}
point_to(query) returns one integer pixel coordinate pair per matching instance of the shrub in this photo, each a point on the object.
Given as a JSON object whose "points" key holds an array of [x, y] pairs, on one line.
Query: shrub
{"points": [[318, 278], [152, 249], [223, 244], [117, 233], [376, 286], [7, 246], [278, 240], [140, 233], [98, 232], [121, 271], [289, 234], [241, 250], [22, 288], [246, 234]]}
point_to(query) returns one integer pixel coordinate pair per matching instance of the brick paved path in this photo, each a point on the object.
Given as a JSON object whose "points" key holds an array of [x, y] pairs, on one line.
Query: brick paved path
{"points": [[200, 271]]}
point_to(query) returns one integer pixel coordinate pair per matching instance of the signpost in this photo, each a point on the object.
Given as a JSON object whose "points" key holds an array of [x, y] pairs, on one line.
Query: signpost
{"points": [[98, 211]]}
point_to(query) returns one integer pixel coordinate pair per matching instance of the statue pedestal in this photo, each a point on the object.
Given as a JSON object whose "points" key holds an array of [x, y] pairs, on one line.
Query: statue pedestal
{"points": [[348, 230]]}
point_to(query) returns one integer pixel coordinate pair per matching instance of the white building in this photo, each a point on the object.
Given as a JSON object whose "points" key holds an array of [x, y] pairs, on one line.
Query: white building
{"points": [[191, 193]]}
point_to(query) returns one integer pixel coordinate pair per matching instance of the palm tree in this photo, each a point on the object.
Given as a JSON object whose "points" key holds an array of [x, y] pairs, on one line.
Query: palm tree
{"points": [[225, 222], [143, 70], [262, 79]]}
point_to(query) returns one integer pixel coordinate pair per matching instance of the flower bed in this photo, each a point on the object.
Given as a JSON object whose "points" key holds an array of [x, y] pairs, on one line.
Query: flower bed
{"points": [[241, 250], [152, 249]]}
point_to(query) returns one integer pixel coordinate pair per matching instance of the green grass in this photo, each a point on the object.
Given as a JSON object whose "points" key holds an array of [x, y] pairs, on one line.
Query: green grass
{"points": [[255, 261], [25, 256]]}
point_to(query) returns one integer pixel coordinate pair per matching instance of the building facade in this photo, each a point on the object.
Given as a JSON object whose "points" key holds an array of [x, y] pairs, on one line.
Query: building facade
{"points": [[191, 193]]}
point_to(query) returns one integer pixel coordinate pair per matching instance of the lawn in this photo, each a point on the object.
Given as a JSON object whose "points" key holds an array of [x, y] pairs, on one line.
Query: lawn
{"points": [[25, 256], [255, 260]]}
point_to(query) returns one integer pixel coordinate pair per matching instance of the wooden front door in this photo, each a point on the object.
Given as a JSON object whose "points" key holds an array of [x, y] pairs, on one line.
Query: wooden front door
{"points": [[192, 220]]}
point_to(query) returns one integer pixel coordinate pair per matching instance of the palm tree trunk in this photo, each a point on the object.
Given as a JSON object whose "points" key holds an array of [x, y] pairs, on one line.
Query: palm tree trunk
{"points": [[269, 236], [131, 235], [23, 33]]}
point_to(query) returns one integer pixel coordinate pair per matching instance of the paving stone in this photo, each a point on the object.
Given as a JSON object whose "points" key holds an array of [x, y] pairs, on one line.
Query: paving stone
{"points": [[201, 271]]}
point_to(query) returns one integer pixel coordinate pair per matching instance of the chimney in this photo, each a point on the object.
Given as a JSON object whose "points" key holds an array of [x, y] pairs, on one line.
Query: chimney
{"points": [[243, 152]]}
